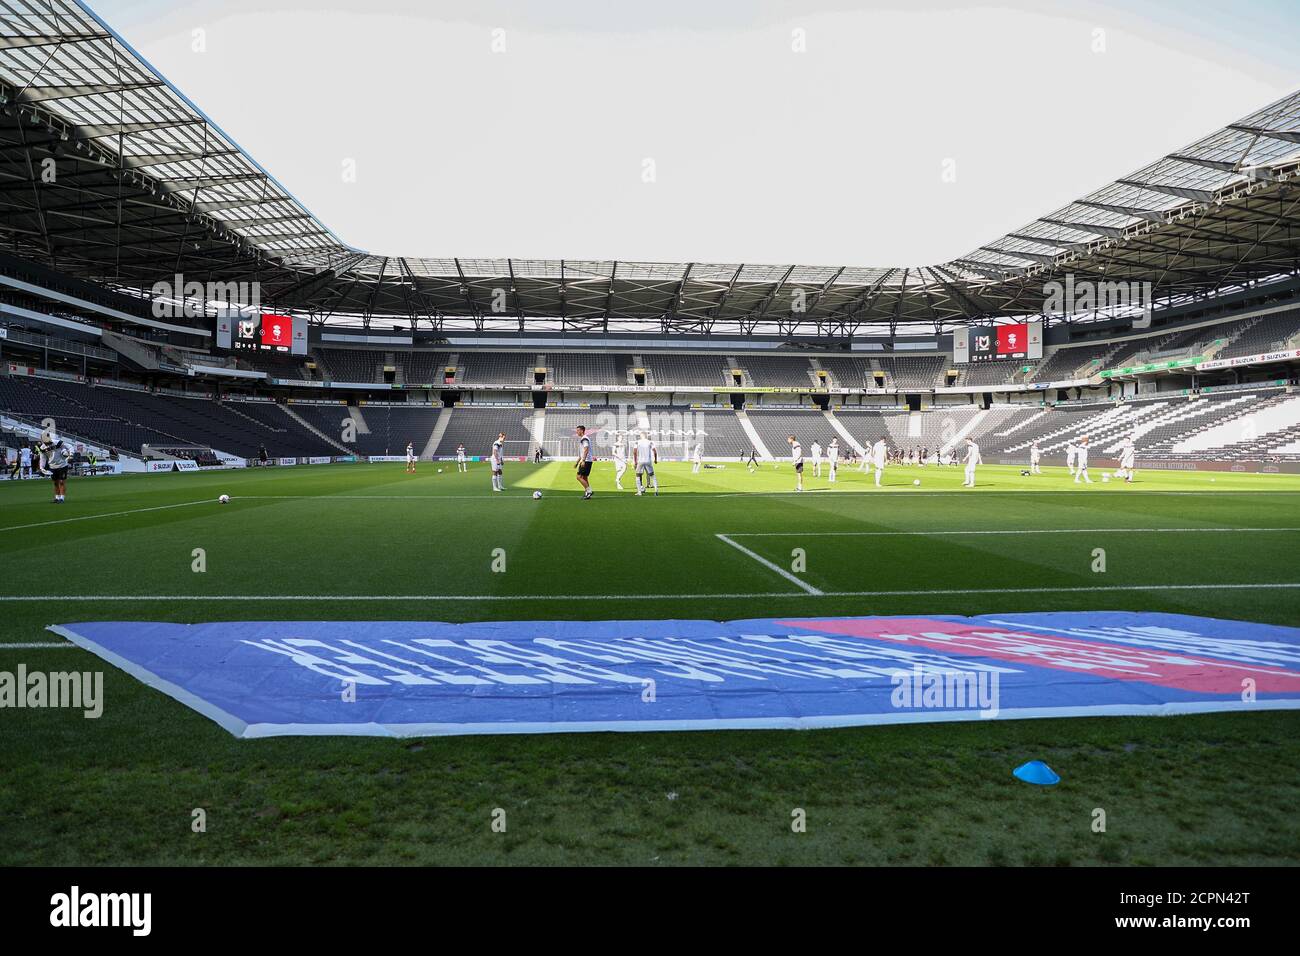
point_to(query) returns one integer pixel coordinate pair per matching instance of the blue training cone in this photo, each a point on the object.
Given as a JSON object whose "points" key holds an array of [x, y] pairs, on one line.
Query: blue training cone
{"points": [[1037, 772]]}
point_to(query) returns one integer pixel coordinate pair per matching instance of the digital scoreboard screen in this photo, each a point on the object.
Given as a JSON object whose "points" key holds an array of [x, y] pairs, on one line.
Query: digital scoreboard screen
{"points": [[262, 333], [999, 342], [991, 342]]}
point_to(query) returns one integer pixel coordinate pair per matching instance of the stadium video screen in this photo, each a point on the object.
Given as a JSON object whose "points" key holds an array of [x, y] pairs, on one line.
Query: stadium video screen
{"points": [[262, 333], [997, 342], [988, 343]]}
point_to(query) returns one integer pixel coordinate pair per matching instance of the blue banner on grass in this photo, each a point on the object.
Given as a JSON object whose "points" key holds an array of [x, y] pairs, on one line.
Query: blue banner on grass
{"points": [[402, 678]]}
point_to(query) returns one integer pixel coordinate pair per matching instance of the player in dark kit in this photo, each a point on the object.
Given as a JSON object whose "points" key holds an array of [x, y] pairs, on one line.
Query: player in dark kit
{"points": [[583, 464]]}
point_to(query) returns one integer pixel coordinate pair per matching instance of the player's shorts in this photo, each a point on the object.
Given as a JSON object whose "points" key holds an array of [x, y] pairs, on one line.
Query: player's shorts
{"points": [[496, 469], [798, 466], [59, 474], [584, 469], [645, 469]]}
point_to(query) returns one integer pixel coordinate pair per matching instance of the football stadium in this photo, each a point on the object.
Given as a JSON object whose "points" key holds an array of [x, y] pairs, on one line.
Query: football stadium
{"points": [[355, 558]]}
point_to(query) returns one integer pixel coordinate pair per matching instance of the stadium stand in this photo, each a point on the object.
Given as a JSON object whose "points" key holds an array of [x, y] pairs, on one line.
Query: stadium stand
{"points": [[424, 368], [277, 366], [848, 372], [775, 427], [477, 427], [379, 429], [1164, 425], [676, 430], [326, 417], [288, 438], [498, 368], [1258, 430], [685, 371], [129, 419], [777, 371], [588, 368], [868, 426], [720, 433], [350, 365], [999, 372], [1263, 334], [1066, 364], [914, 371]]}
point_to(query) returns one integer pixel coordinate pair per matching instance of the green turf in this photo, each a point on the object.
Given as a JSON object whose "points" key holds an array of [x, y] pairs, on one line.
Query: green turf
{"points": [[1192, 790]]}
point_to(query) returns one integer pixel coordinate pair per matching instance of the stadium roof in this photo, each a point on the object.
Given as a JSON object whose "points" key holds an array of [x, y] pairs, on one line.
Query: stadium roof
{"points": [[146, 186]]}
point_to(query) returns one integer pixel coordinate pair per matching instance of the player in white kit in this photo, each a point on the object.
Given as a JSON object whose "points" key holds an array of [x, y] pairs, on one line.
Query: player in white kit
{"points": [[1127, 454], [1034, 456], [1071, 455], [55, 459], [699, 460], [583, 464], [644, 457], [410, 458], [620, 462], [817, 459], [461, 463], [833, 459], [879, 453], [972, 459], [1081, 461], [498, 463], [796, 456]]}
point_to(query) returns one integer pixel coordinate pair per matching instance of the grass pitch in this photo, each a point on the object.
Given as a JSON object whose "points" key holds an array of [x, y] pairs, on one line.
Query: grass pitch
{"points": [[371, 542]]}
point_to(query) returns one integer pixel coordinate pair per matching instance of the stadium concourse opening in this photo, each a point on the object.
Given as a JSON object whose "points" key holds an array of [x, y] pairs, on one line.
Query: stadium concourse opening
{"points": [[1043, 494]]}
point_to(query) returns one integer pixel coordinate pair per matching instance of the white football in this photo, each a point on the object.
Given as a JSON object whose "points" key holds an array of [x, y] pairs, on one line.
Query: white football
{"points": [[916, 481], [537, 494], [224, 499], [1105, 477]]}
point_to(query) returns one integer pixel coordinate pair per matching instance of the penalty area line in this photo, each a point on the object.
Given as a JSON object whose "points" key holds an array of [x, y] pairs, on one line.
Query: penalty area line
{"points": [[789, 576], [110, 514]]}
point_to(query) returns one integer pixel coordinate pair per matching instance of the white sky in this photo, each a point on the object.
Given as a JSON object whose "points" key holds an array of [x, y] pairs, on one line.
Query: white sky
{"points": [[827, 157]]}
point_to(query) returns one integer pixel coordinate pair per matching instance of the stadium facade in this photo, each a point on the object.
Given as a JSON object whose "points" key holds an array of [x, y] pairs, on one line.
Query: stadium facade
{"points": [[164, 299]]}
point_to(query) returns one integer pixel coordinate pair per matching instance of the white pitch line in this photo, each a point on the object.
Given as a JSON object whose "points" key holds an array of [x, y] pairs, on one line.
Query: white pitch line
{"points": [[905, 534], [110, 514], [1288, 585], [789, 576], [601, 494]]}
